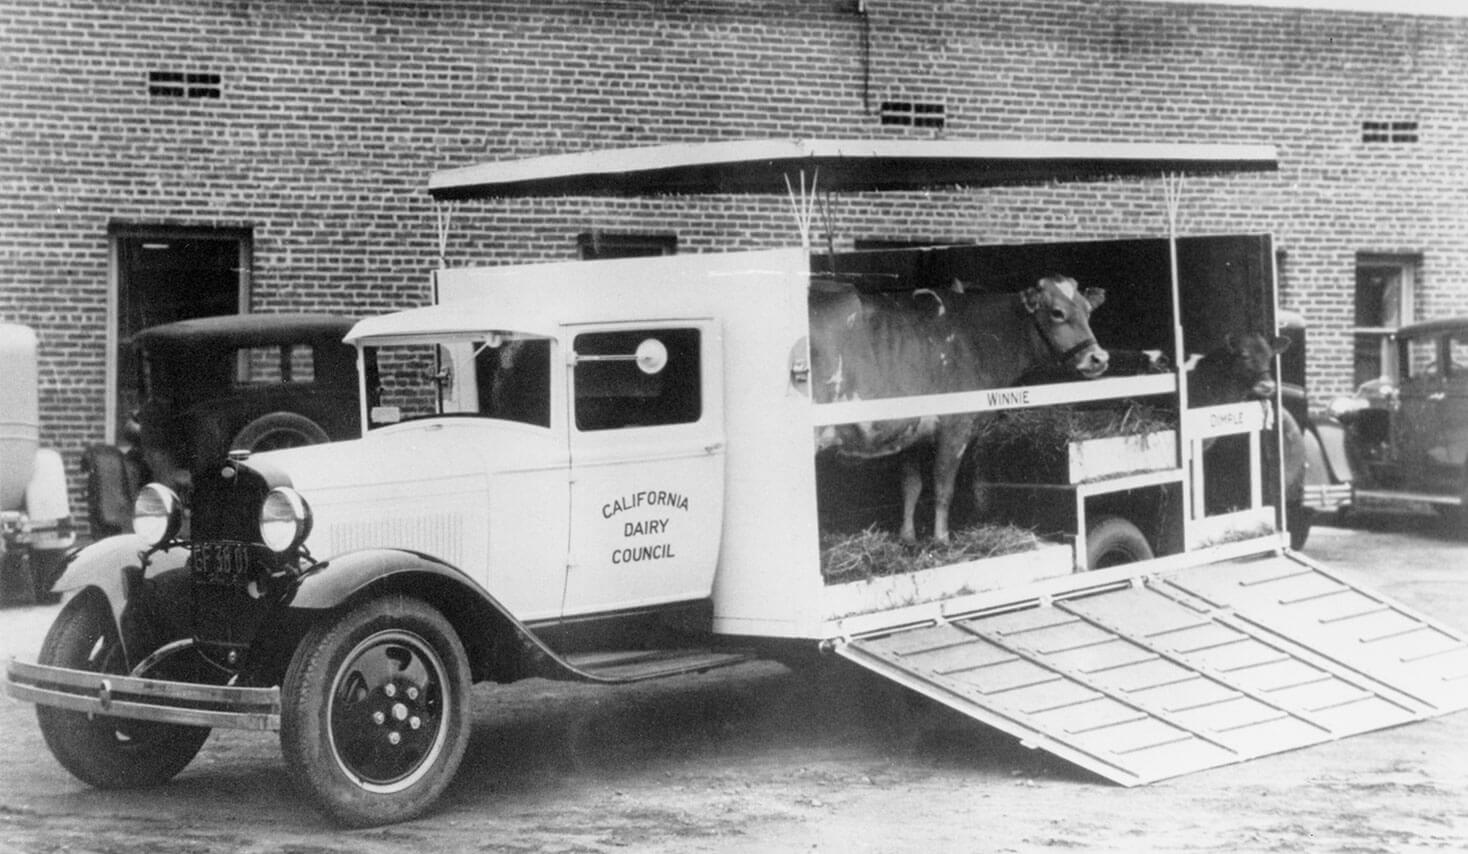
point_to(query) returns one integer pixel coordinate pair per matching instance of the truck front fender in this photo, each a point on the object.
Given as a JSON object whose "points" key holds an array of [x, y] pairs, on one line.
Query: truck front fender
{"points": [[500, 647], [334, 582], [114, 568]]}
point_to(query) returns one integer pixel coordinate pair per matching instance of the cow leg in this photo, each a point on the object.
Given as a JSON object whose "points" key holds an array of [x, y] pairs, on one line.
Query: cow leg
{"points": [[912, 489], [945, 474]]}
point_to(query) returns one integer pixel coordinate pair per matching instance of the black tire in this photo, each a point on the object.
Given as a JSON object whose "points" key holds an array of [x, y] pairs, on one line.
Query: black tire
{"points": [[1298, 519], [109, 753], [278, 430], [1113, 541], [375, 711]]}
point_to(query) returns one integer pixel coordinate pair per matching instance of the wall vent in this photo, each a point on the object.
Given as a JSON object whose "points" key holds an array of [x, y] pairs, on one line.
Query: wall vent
{"points": [[1390, 133], [183, 84], [917, 114]]}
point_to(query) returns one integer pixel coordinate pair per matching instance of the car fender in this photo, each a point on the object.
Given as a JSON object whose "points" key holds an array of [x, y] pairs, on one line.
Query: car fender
{"points": [[1332, 438]]}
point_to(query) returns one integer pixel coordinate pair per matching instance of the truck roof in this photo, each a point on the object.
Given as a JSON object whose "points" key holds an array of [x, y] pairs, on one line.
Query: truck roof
{"points": [[762, 166]]}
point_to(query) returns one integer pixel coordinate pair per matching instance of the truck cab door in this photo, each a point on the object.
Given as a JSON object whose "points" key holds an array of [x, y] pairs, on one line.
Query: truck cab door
{"points": [[647, 464]]}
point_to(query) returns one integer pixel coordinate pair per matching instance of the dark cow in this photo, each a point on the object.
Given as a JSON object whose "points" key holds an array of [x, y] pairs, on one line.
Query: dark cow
{"points": [[882, 345], [1242, 370]]}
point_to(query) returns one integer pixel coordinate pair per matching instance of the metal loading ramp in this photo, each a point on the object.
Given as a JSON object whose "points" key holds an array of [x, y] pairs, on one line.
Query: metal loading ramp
{"points": [[1192, 669]]}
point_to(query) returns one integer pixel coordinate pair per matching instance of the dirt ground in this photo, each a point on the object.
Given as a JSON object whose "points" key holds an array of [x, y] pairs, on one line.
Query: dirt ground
{"points": [[758, 758]]}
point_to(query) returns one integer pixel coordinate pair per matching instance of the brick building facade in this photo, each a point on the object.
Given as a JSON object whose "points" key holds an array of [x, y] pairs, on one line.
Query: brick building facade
{"points": [[302, 132]]}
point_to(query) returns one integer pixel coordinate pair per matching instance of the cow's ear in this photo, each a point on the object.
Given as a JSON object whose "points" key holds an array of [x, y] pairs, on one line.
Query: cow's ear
{"points": [[1095, 296], [1280, 343], [1032, 297]]}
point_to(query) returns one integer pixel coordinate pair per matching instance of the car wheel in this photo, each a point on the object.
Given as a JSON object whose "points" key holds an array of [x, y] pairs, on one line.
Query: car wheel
{"points": [[109, 753], [1113, 541], [278, 430], [374, 717]]}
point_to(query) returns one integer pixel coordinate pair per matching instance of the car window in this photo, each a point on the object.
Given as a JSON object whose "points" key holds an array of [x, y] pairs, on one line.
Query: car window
{"points": [[637, 378], [286, 363], [1458, 356], [1419, 359]]}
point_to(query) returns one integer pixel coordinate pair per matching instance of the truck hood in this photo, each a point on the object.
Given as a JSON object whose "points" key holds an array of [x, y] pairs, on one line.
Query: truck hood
{"points": [[423, 486]]}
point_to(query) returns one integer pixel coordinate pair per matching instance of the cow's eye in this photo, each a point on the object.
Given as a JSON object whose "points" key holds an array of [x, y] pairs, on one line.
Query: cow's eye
{"points": [[1057, 315]]}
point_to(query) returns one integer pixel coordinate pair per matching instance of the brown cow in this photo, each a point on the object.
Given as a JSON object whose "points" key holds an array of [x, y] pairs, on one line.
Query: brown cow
{"points": [[880, 345]]}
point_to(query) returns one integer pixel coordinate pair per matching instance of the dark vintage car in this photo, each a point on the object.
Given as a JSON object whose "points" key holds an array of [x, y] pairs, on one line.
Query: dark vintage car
{"points": [[210, 385], [1404, 437]]}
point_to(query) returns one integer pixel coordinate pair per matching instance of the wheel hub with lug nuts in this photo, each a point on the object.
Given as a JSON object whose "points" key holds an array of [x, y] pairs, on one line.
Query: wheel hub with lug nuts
{"points": [[385, 715]]}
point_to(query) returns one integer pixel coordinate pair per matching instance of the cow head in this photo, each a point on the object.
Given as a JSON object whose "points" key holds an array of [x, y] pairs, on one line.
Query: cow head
{"points": [[1062, 314], [1252, 360]]}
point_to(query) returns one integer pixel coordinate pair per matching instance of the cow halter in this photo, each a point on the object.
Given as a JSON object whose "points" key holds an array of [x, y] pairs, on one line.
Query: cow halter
{"points": [[1062, 357]]}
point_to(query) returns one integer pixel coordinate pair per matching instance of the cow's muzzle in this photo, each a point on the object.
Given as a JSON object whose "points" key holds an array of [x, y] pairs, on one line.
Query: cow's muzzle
{"points": [[1089, 360]]}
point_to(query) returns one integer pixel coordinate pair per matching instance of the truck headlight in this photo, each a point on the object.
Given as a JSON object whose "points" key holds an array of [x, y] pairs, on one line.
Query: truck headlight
{"points": [[157, 515], [285, 520]]}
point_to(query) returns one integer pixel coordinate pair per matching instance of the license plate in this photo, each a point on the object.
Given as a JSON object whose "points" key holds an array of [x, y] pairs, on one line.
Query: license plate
{"points": [[223, 564]]}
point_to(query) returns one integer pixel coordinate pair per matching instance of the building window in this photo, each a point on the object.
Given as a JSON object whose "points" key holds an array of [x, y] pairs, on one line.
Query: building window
{"points": [[1383, 302], [594, 245], [915, 114]]}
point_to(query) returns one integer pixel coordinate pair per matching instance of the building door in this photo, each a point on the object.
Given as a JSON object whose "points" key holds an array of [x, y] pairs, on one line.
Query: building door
{"points": [[163, 274]]}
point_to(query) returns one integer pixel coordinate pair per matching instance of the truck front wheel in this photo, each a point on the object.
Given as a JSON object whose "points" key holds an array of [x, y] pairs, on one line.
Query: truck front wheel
{"points": [[109, 753], [375, 717]]}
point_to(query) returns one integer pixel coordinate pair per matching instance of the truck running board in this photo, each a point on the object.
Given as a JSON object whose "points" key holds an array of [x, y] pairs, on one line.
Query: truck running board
{"points": [[637, 665], [1185, 670]]}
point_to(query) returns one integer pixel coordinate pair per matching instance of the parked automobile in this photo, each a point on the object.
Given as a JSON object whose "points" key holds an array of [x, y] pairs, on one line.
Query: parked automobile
{"points": [[35, 516], [210, 385], [1404, 437]]}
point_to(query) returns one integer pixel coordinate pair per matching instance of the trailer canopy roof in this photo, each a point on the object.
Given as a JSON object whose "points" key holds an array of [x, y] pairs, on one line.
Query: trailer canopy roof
{"points": [[763, 166]]}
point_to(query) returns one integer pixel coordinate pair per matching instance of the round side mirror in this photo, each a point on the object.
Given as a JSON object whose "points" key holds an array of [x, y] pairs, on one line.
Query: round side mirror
{"points": [[652, 356]]}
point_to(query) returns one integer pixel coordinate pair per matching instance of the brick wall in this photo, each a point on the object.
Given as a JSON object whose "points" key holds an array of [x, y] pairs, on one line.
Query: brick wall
{"points": [[332, 113]]}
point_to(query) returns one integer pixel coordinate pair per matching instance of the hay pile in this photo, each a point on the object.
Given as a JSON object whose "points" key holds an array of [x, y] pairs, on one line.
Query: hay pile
{"points": [[1033, 445], [872, 553]]}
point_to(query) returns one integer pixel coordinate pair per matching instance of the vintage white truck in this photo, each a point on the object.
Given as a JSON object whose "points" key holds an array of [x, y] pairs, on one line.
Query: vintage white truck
{"points": [[626, 469]]}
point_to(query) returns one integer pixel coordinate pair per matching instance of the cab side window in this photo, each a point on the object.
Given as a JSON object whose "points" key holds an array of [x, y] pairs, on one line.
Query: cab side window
{"points": [[513, 380], [637, 378]]}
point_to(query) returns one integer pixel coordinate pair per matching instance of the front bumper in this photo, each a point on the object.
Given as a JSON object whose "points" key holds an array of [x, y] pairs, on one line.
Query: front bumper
{"points": [[136, 698], [1327, 497]]}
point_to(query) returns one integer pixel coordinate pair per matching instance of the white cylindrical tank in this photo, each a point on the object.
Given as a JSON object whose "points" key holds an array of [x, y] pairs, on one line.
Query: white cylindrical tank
{"points": [[20, 413]]}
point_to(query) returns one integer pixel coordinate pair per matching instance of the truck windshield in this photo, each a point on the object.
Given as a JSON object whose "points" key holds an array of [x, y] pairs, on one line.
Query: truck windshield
{"points": [[498, 376]]}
